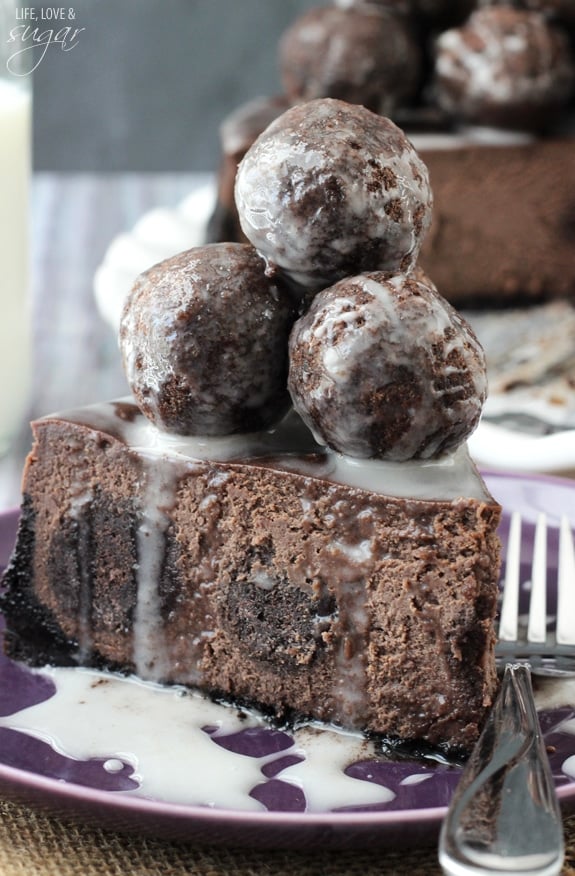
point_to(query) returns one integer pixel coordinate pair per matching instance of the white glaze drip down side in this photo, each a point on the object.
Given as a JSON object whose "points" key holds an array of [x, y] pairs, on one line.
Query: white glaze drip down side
{"points": [[150, 656], [289, 446], [80, 500], [350, 685], [158, 495]]}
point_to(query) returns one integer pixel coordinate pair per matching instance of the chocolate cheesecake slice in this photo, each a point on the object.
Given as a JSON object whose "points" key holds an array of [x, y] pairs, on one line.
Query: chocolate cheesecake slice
{"points": [[262, 568]]}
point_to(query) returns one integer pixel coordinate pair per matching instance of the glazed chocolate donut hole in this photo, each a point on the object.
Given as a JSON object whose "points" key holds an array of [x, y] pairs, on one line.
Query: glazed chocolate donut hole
{"points": [[384, 367], [505, 67], [204, 342], [362, 55], [330, 190]]}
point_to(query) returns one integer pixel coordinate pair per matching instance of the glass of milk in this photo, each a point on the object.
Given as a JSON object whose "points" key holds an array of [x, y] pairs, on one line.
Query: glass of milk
{"points": [[15, 167]]}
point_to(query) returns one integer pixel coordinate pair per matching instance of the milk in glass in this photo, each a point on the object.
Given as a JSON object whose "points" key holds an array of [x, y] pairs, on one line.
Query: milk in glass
{"points": [[15, 124]]}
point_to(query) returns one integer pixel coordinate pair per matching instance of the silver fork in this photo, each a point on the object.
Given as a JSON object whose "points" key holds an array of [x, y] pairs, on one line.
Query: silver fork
{"points": [[504, 816]]}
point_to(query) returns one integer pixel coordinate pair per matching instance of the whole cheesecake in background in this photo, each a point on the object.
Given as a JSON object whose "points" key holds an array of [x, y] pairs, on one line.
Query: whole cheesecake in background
{"points": [[490, 114], [503, 229], [505, 209], [349, 577]]}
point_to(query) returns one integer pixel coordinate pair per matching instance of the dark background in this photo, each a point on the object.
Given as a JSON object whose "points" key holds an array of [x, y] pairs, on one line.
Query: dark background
{"points": [[149, 81]]}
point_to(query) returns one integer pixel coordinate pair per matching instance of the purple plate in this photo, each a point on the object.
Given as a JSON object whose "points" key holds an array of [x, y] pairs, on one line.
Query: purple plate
{"points": [[30, 770]]}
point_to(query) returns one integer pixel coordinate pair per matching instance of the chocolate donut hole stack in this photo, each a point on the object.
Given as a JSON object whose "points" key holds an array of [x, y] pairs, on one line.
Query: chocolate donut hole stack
{"points": [[381, 366], [294, 579]]}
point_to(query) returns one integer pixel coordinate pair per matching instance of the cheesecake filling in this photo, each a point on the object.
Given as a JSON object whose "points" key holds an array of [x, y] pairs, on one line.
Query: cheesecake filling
{"points": [[167, 460]]}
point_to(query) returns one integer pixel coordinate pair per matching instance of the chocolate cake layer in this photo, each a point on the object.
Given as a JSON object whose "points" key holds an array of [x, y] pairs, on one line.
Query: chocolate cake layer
{"points": [[278, 579]]}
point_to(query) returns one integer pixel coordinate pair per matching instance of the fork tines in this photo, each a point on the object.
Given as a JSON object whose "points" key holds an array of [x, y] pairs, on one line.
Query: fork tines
{"points": [[566, 587], [543, 647]]}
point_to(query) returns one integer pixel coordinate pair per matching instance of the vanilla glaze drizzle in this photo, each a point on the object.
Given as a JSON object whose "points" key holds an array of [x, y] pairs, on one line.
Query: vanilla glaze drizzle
{"points": [[170, 740]]}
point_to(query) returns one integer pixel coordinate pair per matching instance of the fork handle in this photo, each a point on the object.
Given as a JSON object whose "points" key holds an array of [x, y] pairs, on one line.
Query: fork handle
{"points": [[504, 816]]}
